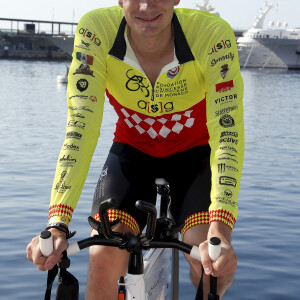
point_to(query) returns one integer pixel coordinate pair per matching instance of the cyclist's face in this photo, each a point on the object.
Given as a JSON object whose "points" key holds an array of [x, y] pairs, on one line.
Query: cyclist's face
{"points": [[148, 17]]}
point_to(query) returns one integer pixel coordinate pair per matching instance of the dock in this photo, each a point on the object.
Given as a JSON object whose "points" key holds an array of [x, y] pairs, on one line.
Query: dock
{"points": [[31, 39]]}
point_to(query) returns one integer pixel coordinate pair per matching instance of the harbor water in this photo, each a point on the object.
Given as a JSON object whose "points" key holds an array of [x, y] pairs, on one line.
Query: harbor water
{"points": [[266, 236]]}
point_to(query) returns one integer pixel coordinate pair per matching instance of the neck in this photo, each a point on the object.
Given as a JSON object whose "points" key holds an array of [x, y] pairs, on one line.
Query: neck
{"points": [[152, 47]]}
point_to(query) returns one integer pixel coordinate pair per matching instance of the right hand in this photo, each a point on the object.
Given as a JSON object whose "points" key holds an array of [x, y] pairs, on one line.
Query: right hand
{"points": [[34, 253]]}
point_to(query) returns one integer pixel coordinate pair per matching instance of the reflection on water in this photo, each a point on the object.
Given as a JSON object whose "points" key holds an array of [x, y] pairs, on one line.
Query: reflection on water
{"points": [[266, 236]]}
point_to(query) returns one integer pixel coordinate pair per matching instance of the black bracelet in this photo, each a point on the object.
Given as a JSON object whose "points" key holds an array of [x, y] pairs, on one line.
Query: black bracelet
{"points": [[62, 228]]}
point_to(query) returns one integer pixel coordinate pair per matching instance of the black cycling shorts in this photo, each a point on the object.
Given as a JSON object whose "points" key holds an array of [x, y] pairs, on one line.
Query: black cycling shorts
{"points": [[129, 175]]}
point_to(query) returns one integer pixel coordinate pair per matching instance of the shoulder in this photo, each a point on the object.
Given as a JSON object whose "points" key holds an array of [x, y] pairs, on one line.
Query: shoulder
{"points": [[197, 22], [112, 15], [203, 30], [100, 26]]}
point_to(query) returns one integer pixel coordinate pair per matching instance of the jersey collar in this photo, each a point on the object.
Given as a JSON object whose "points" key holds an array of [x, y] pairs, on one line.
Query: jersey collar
{"points": [[182, 49]]}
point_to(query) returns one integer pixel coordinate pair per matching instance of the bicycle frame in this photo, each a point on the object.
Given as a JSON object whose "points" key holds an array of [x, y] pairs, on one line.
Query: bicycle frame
{"points": [[153, 283], [147, 278]]}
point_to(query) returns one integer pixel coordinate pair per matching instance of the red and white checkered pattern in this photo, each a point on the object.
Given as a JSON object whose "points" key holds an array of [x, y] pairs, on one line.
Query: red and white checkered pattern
{"points": [[223, 216], [163, 127], [125, 219], [60, 210], [195, 219], [206, 217]]}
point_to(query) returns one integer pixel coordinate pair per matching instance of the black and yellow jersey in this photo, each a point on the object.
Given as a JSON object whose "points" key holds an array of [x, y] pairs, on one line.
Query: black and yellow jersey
{"points": [[196, 100]]}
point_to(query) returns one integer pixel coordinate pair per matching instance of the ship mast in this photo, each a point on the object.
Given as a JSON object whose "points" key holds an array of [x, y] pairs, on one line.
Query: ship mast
{"points": [[260, 18], [205, 6]]}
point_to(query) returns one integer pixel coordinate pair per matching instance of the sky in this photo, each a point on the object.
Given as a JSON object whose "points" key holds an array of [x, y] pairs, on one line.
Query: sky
{"points": [[239, 13]]}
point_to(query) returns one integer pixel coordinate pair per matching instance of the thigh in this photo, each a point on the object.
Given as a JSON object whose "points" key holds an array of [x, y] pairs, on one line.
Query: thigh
{"points": [[127, 177], [190, 186]]}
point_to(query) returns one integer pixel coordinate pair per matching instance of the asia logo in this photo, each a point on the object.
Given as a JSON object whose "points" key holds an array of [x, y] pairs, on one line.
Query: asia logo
{"points": [[173, 72], [219, 46], [88, 34]]}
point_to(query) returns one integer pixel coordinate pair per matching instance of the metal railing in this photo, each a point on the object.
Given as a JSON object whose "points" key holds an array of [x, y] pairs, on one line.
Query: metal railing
{"points": [[49, 27]]}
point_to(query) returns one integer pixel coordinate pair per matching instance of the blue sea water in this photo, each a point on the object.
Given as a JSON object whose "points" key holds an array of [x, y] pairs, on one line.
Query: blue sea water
{"points": [[266, 237]]}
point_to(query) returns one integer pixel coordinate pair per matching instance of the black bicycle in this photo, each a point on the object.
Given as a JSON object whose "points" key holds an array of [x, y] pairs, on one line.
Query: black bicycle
{"points": [[148, 274]]}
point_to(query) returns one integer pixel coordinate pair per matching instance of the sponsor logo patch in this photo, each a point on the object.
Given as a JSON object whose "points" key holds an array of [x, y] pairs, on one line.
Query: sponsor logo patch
{"points": [[226, 121], [226, 180], [84, 58], [224, 71], [173, 72], [82, 85], [220, 46], [84, 69], [86, 33], [136, 82], [224, 86]]}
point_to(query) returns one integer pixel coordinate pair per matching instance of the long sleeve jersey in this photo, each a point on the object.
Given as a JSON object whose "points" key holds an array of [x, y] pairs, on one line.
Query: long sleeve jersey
{"points": [[196, 100]]}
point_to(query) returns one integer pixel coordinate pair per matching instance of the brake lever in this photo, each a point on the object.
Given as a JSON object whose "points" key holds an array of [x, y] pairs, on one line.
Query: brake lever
{"points": [[151, 220], [106, 228]]}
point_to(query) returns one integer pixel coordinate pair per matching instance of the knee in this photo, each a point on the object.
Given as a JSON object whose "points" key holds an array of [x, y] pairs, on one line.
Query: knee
{"points": [[224, 283]]}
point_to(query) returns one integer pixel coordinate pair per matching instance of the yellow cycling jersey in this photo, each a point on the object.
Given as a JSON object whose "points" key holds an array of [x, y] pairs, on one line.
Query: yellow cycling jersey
{"points": [[196, 100]]}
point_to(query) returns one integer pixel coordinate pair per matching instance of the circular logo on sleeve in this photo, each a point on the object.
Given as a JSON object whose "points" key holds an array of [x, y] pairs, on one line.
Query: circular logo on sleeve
{"points": [[226, 121], [82, 85]]}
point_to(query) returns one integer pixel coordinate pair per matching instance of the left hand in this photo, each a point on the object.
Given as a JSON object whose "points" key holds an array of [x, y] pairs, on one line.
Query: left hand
{"points": [[227, 261]]}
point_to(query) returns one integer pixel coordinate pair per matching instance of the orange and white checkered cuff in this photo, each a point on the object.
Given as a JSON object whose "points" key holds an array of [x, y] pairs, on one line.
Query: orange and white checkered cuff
{"points": [[195, 219], [125, 219], [61, 210], [223, 216], [206, 217]]}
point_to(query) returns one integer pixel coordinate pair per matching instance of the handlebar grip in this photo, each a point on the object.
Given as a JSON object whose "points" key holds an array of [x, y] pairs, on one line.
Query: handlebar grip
{"points": [[195, 253], [73, 248], [214, 248], [46, 243]]}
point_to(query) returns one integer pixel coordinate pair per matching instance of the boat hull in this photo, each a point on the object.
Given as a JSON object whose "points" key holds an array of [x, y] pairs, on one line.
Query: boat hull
{"points": [[288, 50]]}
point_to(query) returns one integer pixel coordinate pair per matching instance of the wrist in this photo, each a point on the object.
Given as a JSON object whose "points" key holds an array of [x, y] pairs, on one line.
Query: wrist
{"points": [[60, 227], [58, 219], [57, 232], [220, 230]]}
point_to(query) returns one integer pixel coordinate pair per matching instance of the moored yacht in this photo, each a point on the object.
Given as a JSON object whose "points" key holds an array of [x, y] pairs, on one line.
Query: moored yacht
{"points": [[252, 53], [285, 43]]}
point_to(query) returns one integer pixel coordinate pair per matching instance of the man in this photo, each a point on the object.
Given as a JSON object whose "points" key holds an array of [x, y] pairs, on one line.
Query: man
{"points": [[174, 81]]}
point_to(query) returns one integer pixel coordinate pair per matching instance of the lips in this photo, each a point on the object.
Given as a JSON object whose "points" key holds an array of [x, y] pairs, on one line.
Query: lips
{"points": [[149, 19]]}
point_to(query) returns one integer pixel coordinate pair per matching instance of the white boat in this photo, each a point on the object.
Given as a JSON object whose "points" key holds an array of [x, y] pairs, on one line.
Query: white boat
{"points": [[285, 43], [63, 78], [252, 53]]}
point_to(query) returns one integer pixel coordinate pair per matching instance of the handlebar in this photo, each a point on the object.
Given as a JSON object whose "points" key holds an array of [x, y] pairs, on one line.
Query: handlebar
{"points": [[129, 241], [76, 246]]}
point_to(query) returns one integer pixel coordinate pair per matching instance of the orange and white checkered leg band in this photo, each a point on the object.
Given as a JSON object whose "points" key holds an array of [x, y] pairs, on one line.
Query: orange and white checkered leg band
{"points": [[125, 219], [195, 219], [223, 216]]}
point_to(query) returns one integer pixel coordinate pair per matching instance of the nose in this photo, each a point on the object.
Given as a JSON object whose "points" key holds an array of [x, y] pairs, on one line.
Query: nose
{"points": [[146, 5]]}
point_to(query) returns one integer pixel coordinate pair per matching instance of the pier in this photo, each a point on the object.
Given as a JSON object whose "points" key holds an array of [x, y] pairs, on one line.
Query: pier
{"points": [[31, 39]]}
